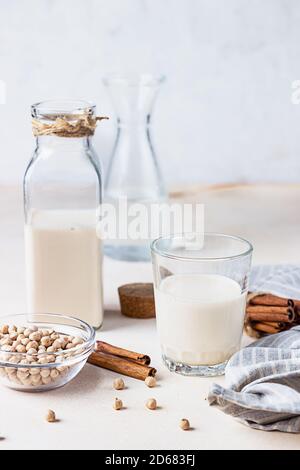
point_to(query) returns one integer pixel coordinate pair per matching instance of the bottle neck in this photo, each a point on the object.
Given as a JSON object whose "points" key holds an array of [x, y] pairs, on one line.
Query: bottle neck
{"points": [[67, 143]]}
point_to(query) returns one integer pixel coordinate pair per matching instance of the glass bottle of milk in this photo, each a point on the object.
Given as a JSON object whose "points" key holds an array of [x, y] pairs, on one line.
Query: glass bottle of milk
{"points": [[62, 197]]}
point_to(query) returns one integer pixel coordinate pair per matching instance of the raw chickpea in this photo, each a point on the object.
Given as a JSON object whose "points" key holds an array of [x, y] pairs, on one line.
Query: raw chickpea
{"points": [[43, 360], [119, 384], [12, 329], [46, 341], [36, 380], [51, 417], [26, 380], [151, 404], [63, 343], [77, 341], [32, 351], [13, 336], [20, 330], [4, 329], [185, 424], [54, 374], [30, 359], [27, 332], [57, 344], [45, 373], [14, 359], [35, 336], [25, 341], [118, 404], [46, 380], [50, 359], [23, 373], [13, 377], [32, 345], [150, 382]]}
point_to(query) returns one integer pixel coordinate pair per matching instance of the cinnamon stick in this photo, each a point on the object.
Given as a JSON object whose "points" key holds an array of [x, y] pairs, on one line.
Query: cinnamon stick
{"points": [[250, 331], [121, 365], [107, 348], [270, 299], [265, 328], [297, 315], [297, 305], [268, 309], [276, 324], [270, 313], [271, 317]]}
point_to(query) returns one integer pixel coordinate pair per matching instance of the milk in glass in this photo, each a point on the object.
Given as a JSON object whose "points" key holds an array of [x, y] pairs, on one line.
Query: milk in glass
{"points": [[200, 318]]}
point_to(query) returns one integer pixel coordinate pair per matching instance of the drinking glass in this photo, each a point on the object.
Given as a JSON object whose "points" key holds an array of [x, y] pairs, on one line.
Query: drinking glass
{"points": [[201, 283]]}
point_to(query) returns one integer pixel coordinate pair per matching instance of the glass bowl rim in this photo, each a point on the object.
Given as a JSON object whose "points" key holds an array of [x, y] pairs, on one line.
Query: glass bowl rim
{"points": [[87, 345], [184, 235]]}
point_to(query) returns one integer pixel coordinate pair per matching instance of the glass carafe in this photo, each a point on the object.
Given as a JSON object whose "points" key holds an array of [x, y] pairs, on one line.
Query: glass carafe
{"points": [[133, 173], [62, 197]]}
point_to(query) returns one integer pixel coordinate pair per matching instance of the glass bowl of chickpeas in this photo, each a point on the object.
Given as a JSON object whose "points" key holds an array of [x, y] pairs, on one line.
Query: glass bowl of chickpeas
{"points": [[44, 351]]}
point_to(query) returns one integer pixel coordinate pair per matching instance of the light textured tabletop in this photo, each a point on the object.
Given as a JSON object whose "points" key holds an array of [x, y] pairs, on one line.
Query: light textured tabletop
{"points": [[269, 217]]}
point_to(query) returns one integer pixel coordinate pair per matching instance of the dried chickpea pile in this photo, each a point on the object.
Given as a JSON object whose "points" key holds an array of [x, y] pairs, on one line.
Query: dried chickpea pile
{"points": [[22, 346]]}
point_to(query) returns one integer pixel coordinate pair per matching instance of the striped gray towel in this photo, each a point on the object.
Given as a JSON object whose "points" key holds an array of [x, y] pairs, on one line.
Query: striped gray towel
{"points": [[278, 279], [263, 384]]}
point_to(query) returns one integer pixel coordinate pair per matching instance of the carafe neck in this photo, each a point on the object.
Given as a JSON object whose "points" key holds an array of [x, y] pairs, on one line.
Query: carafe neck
{"points": [[65, 143], [133, 98]]}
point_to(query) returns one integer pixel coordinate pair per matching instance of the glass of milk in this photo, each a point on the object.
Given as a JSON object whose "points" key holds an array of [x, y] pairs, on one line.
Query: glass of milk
{"points": [[201, 283]]}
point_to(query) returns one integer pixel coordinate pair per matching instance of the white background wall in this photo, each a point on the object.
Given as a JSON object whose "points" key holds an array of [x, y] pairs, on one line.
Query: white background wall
{"points": [[225, 113]]}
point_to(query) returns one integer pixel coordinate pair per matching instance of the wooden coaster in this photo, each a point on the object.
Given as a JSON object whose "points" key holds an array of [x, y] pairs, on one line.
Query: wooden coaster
{"points": [[137, 300]]}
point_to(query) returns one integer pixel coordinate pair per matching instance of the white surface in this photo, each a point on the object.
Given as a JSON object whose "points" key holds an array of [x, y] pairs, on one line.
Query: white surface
{"points": [[85, 405], [225, 113]]}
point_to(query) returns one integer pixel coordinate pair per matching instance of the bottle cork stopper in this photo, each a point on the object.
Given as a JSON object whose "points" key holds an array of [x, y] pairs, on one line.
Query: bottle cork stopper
{"points": [[137, 300]]}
